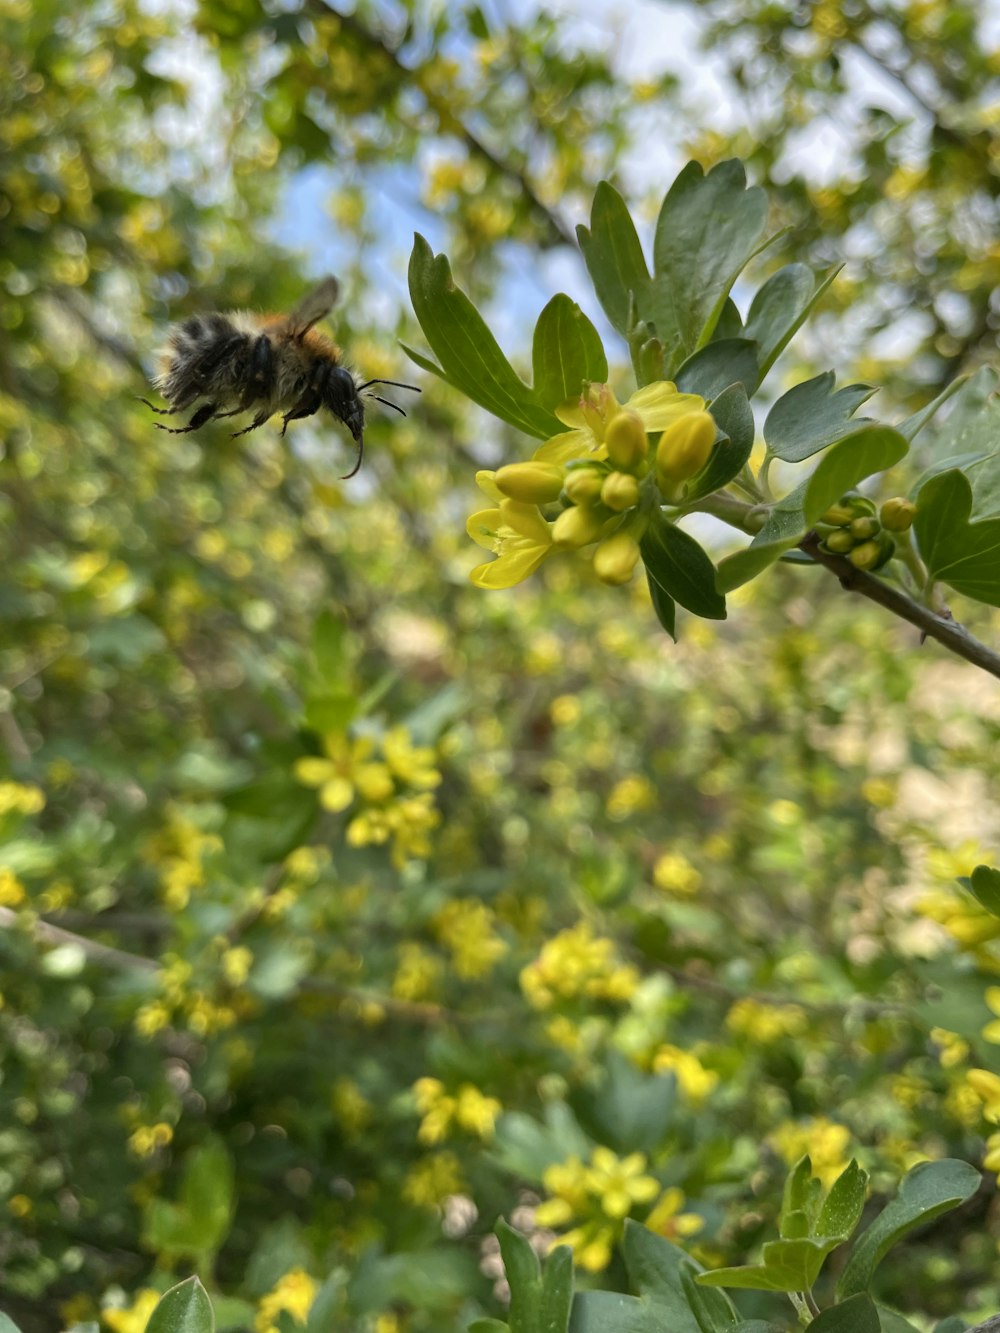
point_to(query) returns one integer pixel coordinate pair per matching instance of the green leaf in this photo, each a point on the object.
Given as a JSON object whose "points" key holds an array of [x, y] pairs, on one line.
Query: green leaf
{"points": [[676, 562], [914, 424], [756, 1326], [712, 369], [711, 1307], [870, 450], [664, 606], [207, 1192], [469, 355], [656, 1269], [930, 1189], [328, 646], [708, 228], [892, 1322], [557, 1292], [801, 1189], [540, 1299], [856, 1315], [566, 351], [780, 309], [183, 1309], [734, 417], [488, 1326], [754, 1277], [969, 438], [803, 1256], [843, 1206], [7, 1324], [810, 417], [984, 885], [610, 1312], [953, 1324], [613, 256], [630, 1111], [963, 554]]}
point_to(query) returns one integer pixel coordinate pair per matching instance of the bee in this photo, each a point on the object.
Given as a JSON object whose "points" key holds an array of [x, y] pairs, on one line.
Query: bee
{"points": [[240, 361]]}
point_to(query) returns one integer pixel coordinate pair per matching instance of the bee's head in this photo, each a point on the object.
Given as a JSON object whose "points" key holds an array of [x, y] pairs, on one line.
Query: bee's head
{"points": [[343, 400]]}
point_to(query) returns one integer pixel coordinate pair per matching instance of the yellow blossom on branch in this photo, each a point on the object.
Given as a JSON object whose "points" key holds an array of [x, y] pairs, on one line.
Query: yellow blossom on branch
{"points": [[132, 1318], [346, 771], [656, 405], [292, 1294]]}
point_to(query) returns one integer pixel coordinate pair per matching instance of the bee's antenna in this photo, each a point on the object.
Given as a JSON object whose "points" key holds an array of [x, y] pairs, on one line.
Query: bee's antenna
{"points": [[395, 384], [395, 406]]}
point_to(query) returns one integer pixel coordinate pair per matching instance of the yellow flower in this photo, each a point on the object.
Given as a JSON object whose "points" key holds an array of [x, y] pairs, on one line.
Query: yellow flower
{"points": [[991, 1032], [822, 1140], [23, 798], [693, 1079], [986, 1085], [952, 1049], [476, 1112], [132, 1318], [991, 1158], [466, 927], [619, 1182], [293, 1293], [674, 873], [666, 1218], [12, 892], [656, 405], [410, 763], [431, 1180], [345, 772], [518, 535]]}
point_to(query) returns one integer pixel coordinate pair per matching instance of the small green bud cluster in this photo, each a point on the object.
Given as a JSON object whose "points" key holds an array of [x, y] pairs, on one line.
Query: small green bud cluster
{"points": [[854, 527]]}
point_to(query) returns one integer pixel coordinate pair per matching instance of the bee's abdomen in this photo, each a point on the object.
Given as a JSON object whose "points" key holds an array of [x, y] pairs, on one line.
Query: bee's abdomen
{"points": [[205, 356]]}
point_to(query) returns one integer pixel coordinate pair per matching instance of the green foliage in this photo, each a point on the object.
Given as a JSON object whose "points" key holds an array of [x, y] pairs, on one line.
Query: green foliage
{"points": [[183, 1309]]}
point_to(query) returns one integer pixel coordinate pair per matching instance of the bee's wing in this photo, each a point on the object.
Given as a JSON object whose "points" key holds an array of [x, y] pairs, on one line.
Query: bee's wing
{"points": [[313, 306]]}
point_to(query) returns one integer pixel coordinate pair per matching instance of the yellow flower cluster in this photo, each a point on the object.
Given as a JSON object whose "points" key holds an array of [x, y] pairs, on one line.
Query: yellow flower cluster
{"points": [[352, 771], [764, 1023], [965, 921], [600, 471], [824, 1142], [351, 1107], [12, 891], [952, 1049], [693, 1079], [577, 963], [21, 798], [598, 1195], [465, 926], [432, 1179], [417, 972], [674, 873], [178, 852], [148, 1139], [292, 1294], [469, 1110]]}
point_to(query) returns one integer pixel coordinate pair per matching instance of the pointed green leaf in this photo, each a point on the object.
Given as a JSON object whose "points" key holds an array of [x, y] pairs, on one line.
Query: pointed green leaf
{"points": [[656, 1267], [800, 1188], [803, 1256], [930, 1189], [969, 439], [557, 1291], [424, 362], [664, 606], [795, 1224], [810, 417], [469, 355], [984, 885], [753, 1277], [856, 1315], [521, 1264], [207, 1194], [914, 424], [780, 309], [613, 256], [566, 352], [862, 454], [843, 1206], [7, 1324], [540, 1299], [708, 228], [712, 369], [734, 417], [611, 1312], [676, 562], [963, 554], [711, 1307], [892, 1322], [730, 322], [183, 1309]]}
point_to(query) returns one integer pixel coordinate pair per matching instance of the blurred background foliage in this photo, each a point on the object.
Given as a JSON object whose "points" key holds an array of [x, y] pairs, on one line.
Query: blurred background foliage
{"points": [[347, 907]]}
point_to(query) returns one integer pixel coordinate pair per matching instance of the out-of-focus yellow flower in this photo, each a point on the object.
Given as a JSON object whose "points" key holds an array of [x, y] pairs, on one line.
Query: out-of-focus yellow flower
{"points": [[823, 1141], [619, 1182], [418, 972], [410, 763], [465, 926], [629, 796], [991, 1032], [151, 1018], [986, 1086], [674, 873], [991, 1158], [952, 1049], [666, 1218], [292, 1294], [21, 798], [693, 1079], [577, 963], [433, 1179], [12, 891], [236, 964], [132, 1318], [148, 1139], [470, 1110], [347, 770], [764, 1023], [351, 1107]]}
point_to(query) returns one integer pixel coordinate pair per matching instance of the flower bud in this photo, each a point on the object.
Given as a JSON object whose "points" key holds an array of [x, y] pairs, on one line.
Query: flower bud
{"points": [[583, 484], [898, 514], [530, 483], [863, 528], [684, 449], [852, 504], [839, 542], [616, 558], [872, 554], [625, 440], [620, 491], [578, 526]]}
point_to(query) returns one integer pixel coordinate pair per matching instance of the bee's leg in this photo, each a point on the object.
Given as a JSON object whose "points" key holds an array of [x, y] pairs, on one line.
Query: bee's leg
{"points": [[204, 413], [160, 411], [258, 420], [307, 406]]}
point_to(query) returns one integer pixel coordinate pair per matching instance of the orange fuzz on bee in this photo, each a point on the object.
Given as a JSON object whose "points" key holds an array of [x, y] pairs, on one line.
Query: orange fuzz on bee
{"points": [[236, 362]]}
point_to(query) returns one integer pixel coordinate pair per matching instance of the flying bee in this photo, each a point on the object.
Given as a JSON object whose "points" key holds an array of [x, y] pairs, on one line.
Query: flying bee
{"points": [[239, 361]]}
